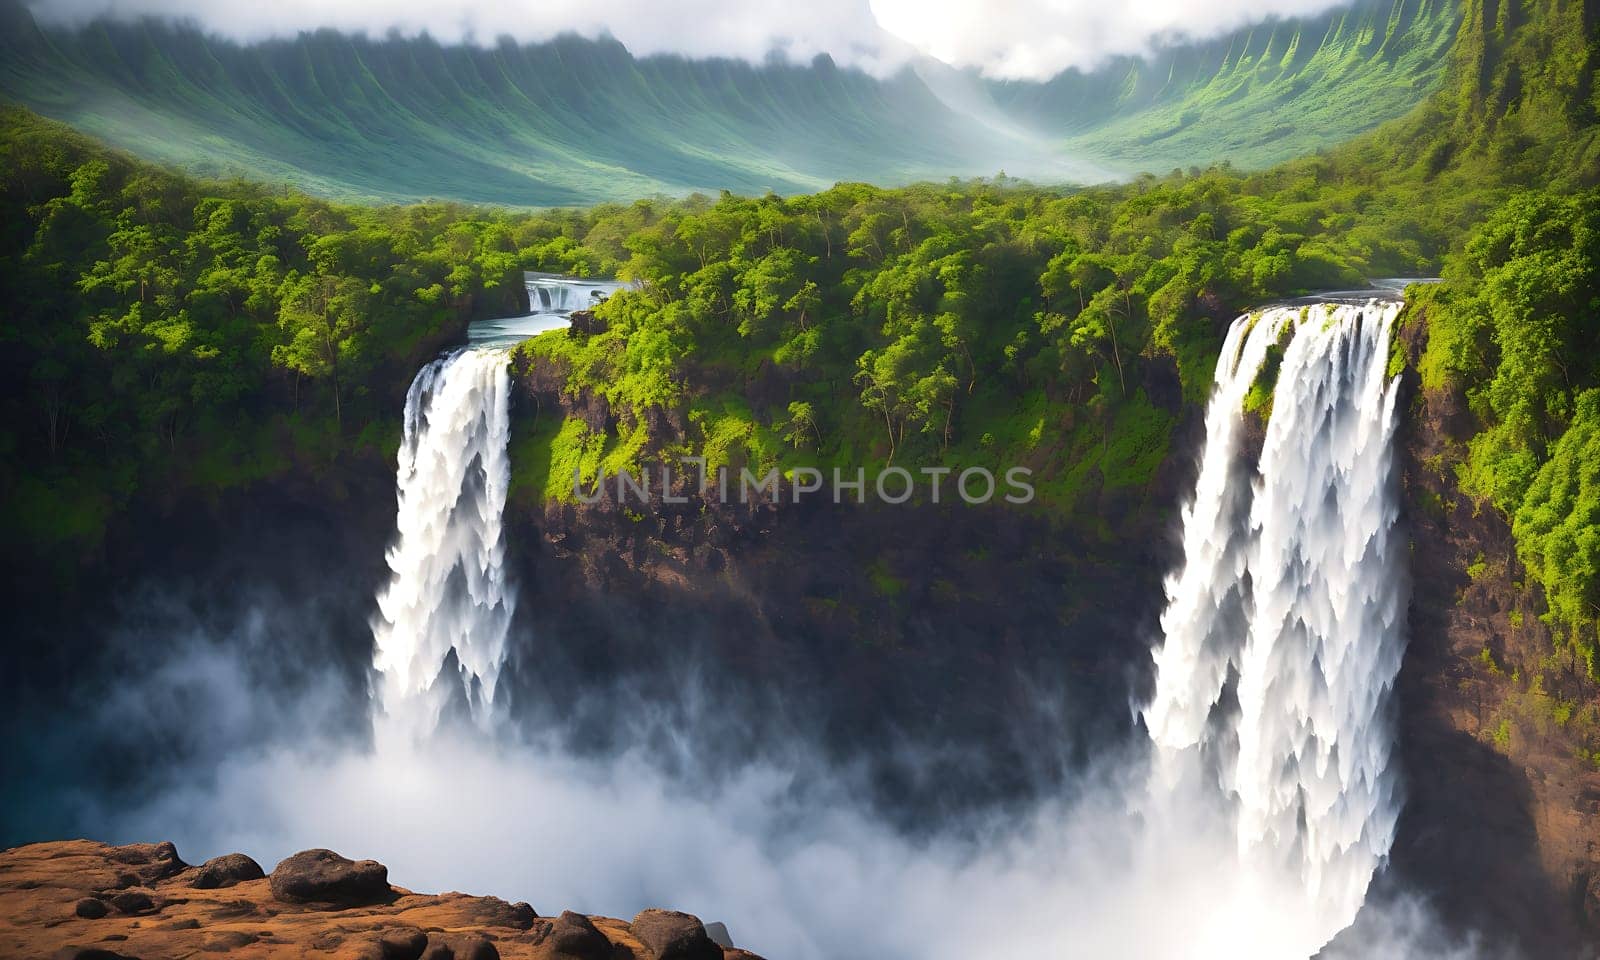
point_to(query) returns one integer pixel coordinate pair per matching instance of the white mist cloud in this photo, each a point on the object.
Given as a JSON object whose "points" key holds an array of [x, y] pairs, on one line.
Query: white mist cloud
{"points": [[784, 852], [1036, 39], [1021, 39]]}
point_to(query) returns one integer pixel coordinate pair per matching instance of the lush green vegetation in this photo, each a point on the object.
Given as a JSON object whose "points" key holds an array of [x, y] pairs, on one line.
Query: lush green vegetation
{"points": [[168, 339], [982, 323], [574, 121], [1516, 328]]}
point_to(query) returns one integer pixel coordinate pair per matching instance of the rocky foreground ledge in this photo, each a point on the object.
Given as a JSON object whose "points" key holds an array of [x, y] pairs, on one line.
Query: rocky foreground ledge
{"points": [[90, 901]]}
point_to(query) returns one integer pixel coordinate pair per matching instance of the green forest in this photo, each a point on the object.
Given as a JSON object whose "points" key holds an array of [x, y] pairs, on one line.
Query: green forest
{"points": [[170, 339]]}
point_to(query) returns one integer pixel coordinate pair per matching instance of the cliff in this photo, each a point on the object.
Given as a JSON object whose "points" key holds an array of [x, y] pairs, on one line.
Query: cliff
{"points": [[89, 901], [1503, 803], [937, 623]]}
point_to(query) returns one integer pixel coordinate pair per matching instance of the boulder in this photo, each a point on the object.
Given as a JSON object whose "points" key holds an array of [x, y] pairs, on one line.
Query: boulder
{"points": [[134, 901], [401, 943], [574, 935], [324, 877], [148, 861], [494, 912], [670, 935], [460, 946], [91, 908], [225, 871]]}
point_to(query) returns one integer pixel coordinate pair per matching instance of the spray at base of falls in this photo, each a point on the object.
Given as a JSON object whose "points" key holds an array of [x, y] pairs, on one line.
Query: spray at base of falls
{"points": [[448, 596], [1284, 625]]}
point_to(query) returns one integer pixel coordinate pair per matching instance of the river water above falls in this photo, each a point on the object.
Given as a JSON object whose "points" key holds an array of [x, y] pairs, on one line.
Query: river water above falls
{"points": [[552, 299]]}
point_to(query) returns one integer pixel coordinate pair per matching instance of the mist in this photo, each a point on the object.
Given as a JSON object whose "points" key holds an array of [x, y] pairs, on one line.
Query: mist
{"points": [[266, 751], [1016, 40]]}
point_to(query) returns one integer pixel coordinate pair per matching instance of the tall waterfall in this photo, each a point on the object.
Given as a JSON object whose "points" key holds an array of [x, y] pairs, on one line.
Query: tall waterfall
{"points": [[447, 598], [1284, 624], [444, 615]]}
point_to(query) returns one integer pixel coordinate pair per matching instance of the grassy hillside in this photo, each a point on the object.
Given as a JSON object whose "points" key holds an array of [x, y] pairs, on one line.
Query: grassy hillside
{"points": [[566, 122], [1257, 97], [575, 121]]}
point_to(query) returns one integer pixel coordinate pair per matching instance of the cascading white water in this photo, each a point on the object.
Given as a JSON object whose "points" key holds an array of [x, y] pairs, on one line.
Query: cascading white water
{"points": [[1283, 627], [553, 293], [1204, 616], [448, 594]]}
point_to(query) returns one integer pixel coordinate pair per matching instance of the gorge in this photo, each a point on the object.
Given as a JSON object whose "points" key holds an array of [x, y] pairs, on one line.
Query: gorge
{"points": [[1258, 617], [1290, 652]]}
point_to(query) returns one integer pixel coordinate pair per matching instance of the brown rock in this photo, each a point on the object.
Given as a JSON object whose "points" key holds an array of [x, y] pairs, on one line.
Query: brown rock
{"points": [[225, 871], [324, 877], [42, 884], [149, 861], [402, 943], [460, 946], [91, 908], [494, 912], [575, 935], [134, 901], [227, 941], [670, 935]]}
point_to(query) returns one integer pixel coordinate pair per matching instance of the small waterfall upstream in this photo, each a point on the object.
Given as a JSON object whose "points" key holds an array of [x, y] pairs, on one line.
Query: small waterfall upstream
{"points": [[1284, 624], [553, 293]]}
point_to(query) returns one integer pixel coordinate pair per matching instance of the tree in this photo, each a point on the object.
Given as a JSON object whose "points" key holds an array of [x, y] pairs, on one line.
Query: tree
{"points": [[323, 318], [801, 427]]}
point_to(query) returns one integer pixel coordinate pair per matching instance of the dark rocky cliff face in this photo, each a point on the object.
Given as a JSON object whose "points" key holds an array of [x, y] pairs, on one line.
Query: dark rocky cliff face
{"points": [[1503, 829], [964, 654], [947, 627]]}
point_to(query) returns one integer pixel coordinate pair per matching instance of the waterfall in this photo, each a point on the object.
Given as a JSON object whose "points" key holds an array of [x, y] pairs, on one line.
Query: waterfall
{"points": [[447, 598], [443, 617], [1283, 628], [553, 293]]}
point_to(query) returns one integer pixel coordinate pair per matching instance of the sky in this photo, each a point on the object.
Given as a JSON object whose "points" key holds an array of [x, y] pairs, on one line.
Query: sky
{"points": [[1005, 39]]}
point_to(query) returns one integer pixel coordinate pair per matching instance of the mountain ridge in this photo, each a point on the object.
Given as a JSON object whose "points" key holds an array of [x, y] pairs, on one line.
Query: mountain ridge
{"points": [[574, 121]]}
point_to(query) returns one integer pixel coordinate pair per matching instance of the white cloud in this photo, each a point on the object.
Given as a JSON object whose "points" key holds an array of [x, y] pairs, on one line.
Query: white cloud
{"points": [[1036, 39], [1017, 39]]}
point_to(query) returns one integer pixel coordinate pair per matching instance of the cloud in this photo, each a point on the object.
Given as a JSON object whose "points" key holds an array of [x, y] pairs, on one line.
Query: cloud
{"points": [[1036, 39], [748, 29], [1018, 39]]}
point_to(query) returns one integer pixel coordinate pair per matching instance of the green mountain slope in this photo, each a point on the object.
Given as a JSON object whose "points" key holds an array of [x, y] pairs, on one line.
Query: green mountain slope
{"points": [[565, 122], [575, 121], [1258, 97]]}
